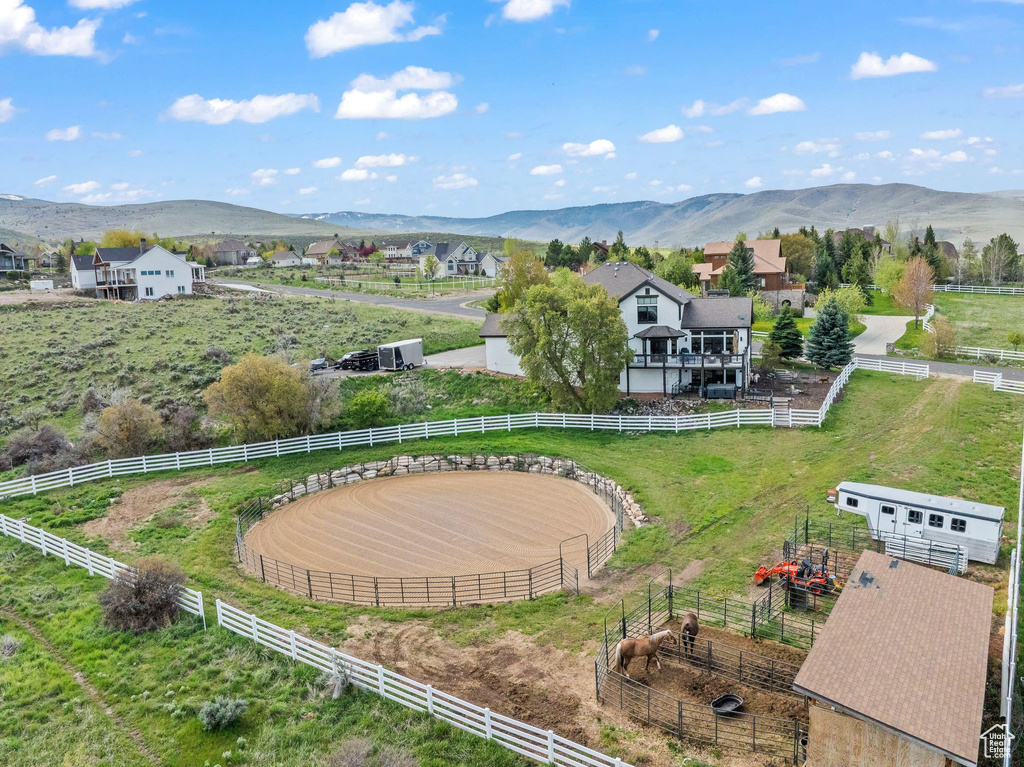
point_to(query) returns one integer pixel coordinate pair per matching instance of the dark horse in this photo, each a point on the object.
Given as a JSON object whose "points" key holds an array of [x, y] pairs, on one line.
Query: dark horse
{"points": [[688, 633]]}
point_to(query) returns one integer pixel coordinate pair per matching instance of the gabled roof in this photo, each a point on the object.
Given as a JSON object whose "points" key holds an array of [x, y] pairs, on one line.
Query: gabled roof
{"points": [[906, 647], [5, 248], [719, 313], [660, 331], [767, 257], [622, 278], [229, 246], [491, 328], [120, 255], [284, 255], [82, 263], [323, 247]]}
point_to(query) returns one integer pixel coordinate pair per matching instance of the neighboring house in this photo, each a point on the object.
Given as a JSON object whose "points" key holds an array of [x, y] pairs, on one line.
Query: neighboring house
{"points": [[681, 343], [458, 260], [83, 275], [771, 275], [145, 272], [870, 234], [948, 250], [320, 252], [602, 249], [396, 251], [12, 260], [899, 670], [286, 258], [233, 252]]}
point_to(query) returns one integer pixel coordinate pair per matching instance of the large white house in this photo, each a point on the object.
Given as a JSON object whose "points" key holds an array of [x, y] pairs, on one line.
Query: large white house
{"points": [[136, 273], [456, 260], [681, 343]]}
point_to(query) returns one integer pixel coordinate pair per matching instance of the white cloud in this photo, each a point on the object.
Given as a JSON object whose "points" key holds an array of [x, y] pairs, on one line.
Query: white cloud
{"points": [[546, 170], [1005, 92], [454, 181], [665, 135], [829, 145], [780, 102], [863, 156], [631, 176], [699, 108], [364, 201], [849, 176], [560, 182], [102, 5], [957, 156], [236, 191], [553, 196], [754, 182], [130, 39], [391, 179], [383, 161], [45, 180], [19, 30], [652, 34], [356, 174], [924, 154], [120, 186], [702, 129], [872, 65], [942, 135], [134, 153], [529, 10], [636, 70], [7, 110], [482, 108], [264, 176], [92, 199], [292, 171], [974, 140], [409, 79], [601, 189], [258, 109], [83, 188], [684, 188], [308, 190], [327, 162], [824, 171], [365, 24], [885, 155], [357, 104], [873, 135], [514, 156], [601, 147], [107, 136], [655, 182], [65, 134]]}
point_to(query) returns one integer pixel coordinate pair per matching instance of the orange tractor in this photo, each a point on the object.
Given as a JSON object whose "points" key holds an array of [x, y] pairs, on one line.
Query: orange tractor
{"points": [[804, 575]]}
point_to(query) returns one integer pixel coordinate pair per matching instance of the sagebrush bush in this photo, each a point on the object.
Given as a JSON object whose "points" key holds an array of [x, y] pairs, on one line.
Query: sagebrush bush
{"points": [[9, 645], [35, 445], [222, 712], [354, 752], [145, 599]]}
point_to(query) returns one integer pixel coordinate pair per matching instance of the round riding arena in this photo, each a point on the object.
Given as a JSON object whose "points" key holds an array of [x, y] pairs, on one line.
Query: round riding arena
{"points": [[441, 524]]}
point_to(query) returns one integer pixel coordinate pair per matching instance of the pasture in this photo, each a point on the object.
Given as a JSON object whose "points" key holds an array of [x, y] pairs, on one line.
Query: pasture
{"points": [[981, 320], [723, 501], [163, 351]]}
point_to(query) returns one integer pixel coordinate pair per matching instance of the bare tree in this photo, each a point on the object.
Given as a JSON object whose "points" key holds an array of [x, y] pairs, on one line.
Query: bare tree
{"points": [[914, 290]]}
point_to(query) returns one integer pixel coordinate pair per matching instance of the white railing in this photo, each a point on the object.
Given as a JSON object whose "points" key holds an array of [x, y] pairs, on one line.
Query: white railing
{"points": [[443, 283], [97, 564], [998, 383], [952, 556], [340, 440], [985, 289], [1012, 628], [761, 335], [979, 351], [929, 312], [540, 745]]}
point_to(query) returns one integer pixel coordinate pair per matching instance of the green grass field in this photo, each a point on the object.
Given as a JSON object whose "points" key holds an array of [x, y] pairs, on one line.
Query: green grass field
{"points": [[804, 326], [158, 350], [980, 320], [723, 501]]}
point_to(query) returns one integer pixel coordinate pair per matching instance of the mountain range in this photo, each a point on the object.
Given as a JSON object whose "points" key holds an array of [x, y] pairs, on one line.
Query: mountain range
{"points": [[954, 215]]}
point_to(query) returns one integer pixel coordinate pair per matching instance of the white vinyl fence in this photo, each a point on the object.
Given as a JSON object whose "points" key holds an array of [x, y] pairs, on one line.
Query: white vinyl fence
{"points": [[451, 428], [973, 351], [1012, 630], [997, 382], [97, 564], [533, 743], [441, 284], [991, 290]]}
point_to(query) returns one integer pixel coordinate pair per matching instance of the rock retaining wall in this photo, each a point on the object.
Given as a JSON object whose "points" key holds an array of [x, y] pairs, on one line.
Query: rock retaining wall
{"points": [[407, 464]]}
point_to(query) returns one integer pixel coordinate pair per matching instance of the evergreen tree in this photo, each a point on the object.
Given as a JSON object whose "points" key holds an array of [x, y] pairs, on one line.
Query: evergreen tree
{"points": [[830, 345], [930, 252], [553, 255], [825, 273], [786, 335], [776, 234], [915, 248], [642, 258], [586, 250], [855, 272], [741, 265], [844, 252], [619, 250]]}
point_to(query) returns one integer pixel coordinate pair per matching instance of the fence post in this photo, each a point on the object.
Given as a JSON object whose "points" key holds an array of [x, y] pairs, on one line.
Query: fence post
{"points": [[88, 559], [430, 699], [263, 573], [380, 680], [487, 723], [551, 747], [309, 584], [291, 640], [529, 582], [255, 628], [64, 546], [454, 601]]}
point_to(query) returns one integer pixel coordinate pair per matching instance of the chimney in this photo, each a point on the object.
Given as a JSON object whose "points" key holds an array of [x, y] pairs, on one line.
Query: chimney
{"points": [[142, 246], [604, 242]]}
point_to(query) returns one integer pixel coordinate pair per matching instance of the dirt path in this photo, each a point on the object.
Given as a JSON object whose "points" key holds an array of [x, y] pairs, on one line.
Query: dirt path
{"points": [[94, 694], [450, 523]]}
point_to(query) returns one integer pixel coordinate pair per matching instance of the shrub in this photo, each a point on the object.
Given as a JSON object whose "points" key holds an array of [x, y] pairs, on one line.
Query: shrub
{"points": [[183, 429], [216, 354], [222, 712], [942, 342], [127, 429], [354, 752], [9, 645], [408, 396], [367, 409], [145, 599], [36, 445]]}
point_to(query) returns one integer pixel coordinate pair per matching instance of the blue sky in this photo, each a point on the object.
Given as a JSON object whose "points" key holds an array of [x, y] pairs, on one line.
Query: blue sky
{"points": [[472, 107]]}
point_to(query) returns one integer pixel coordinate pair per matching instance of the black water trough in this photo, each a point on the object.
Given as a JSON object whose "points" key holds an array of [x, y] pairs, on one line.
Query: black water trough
{"points": [[727, 704]]}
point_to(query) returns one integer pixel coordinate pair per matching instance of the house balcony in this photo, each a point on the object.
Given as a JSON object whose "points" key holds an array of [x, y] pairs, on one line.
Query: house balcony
{"points": [[689, 361], [115, 283]]}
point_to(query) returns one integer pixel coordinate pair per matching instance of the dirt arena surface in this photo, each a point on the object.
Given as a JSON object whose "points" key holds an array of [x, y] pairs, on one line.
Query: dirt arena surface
{"points": [[453, 523]]}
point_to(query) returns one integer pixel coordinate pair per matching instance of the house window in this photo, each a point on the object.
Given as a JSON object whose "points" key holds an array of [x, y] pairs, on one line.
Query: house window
{"points": [[958, 525], [170, 272], [935, 520], [852, 502], [157, 272], [181, 289], [888, 509], [914, 516], [761, 282], [149, 291], [646, 310]]}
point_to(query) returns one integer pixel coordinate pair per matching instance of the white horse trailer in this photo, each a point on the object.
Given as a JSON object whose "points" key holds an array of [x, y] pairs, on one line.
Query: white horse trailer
{"points": [[401, 355], [978, 527]]}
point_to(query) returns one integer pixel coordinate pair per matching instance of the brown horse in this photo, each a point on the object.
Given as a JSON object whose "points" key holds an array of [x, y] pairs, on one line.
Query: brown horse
{"points": [[689, 632], [628, 649]]}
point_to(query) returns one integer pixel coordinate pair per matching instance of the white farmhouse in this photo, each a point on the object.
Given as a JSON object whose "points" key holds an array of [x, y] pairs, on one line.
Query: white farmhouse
{"points": [[286, 258], [458, 260], [680, 343], [138, 273]]}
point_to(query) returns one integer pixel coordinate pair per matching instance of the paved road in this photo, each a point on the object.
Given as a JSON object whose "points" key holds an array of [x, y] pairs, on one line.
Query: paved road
{"points": [[880, 331], [451, 306]]}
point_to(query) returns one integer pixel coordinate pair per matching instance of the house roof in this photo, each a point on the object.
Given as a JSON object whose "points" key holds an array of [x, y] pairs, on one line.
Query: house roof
{"points": [[323, 247], [622, 278], [82, 263], [5, 248], [906, 647], [123, 255], [947, 248], [719, 313], [284, 255], [767, 257], [602, 246], [399, 245], [229, 246], [660, 331], [491, 328]]}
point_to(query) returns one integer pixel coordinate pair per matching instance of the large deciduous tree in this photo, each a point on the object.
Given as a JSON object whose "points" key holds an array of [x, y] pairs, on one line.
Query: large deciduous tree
{"points": [[830, 345], [786, 335], [678, 269], [571, 341], [431, 266], [127, 429], [914, 290], [799, 251], [521, 272]]}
